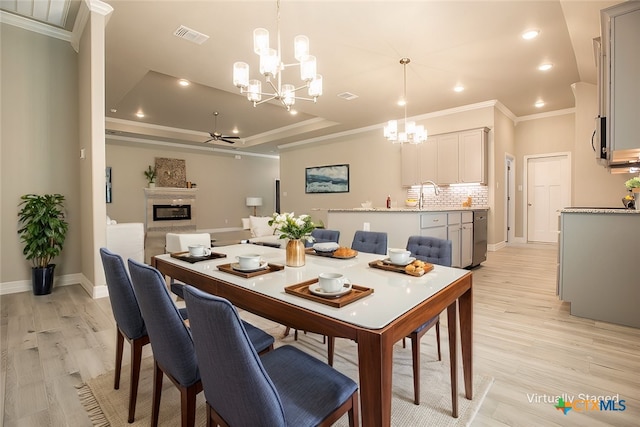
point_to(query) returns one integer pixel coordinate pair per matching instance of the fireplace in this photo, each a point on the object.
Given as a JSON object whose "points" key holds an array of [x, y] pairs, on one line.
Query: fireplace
{"points": [[168, 210]]}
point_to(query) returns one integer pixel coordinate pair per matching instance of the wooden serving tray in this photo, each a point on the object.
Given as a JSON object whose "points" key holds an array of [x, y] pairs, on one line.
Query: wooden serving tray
{"points": [[302, 290], [228, 269], [311, 251], [184, 256], [399, 269]]}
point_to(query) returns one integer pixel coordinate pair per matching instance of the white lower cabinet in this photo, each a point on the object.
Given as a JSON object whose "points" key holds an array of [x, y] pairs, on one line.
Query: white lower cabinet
{"points": [[453, 233], [434, 225], [466, 239]]}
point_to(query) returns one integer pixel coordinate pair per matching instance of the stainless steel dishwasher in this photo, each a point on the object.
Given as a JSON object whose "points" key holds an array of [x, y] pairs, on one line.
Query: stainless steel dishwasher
{"points": [[479, 237]]}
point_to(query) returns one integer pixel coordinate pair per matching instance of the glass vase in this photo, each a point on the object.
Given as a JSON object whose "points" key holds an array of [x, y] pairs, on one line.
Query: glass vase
{"points": [[295, 253]]}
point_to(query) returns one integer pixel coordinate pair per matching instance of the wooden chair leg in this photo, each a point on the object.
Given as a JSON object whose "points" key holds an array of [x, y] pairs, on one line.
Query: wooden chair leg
{"points": [[209, 416], [353, 412], [119, 349], [136, 360], [438, 338], [404, 343], [330, 348], [157, 393], [188, 405], [286, 331], [415, 352]]}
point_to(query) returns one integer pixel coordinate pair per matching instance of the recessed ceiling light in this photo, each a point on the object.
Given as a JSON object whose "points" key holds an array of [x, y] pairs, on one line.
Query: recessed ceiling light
{"points": [[539, 104], [114, 110], [184, 82], [458, 88], [402, 102], [235, 131], [140, 114], [530, 34], [545, 67], [293, 112]]}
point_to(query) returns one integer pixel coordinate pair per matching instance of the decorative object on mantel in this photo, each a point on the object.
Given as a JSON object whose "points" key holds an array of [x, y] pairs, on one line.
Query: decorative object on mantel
{"points": [[150, 174], [412, 133], [254, 202], [171, 172], [297, 230], [271, 65]]}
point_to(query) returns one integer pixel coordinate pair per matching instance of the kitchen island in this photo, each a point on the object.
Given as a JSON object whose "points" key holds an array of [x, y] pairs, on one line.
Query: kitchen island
{"points": [[455, 224], [598, 271]]}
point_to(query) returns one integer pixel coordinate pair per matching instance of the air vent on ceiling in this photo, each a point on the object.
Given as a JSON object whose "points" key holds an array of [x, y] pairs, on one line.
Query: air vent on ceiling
{"points": [[347, 95], [191, 35]]}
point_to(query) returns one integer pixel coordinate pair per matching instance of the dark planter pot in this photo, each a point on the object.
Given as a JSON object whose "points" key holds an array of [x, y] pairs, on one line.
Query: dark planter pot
{"points": [[42, 279]]}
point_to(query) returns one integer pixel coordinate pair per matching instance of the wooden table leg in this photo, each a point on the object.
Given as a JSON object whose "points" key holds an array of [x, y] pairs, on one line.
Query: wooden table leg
{"points": [[466, 341], [452, 326], [375, 362]]}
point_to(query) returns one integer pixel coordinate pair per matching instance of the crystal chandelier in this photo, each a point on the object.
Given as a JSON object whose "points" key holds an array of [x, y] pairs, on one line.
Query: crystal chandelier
{"points": [[412, 134], [271, 67]]}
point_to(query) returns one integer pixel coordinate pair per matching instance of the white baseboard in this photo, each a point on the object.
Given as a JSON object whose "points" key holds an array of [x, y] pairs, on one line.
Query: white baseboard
{"points": [[25, 285], [496, 246]]}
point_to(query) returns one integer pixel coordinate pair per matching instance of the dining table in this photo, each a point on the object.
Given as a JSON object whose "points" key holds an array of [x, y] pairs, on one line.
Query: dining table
{"points": [[396, 304]]}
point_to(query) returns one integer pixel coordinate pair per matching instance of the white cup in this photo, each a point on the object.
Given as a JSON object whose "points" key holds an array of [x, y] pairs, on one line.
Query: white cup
{"points": [[332, 282], [249, 261], [399, 256], [199, 250]]}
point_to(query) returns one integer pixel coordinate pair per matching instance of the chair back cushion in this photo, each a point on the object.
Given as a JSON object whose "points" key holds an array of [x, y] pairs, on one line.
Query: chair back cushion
{"points": [[170, 338], [322, 235], [372, 242], [179, 242], [430, 249], [123, 300], [235, 382]]}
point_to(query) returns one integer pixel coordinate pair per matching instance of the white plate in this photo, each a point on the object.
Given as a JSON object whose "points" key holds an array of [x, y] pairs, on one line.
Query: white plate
{"points": [[317, 290], [236, 266], [388, 261], [325, 247]]}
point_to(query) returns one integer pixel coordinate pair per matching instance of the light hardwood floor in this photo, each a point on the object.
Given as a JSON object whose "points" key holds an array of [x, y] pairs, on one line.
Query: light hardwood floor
{"points": [[523, 336]]}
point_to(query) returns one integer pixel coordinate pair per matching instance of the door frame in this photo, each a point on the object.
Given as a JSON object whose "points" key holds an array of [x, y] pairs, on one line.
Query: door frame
{"points": [[525, 179], [509, 204]]}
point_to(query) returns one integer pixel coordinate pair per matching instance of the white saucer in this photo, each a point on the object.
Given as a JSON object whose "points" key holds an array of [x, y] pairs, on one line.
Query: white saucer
{"points": [[388, 261], [236, 266], [317, 290]]}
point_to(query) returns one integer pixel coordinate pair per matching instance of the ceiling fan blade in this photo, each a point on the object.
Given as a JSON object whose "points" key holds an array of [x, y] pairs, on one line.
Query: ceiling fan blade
{"points": [[209, 140], [226, 140], [231, 137]]}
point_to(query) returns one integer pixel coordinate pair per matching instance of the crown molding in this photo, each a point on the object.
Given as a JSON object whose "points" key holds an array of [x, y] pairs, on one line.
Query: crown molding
{"points": [[545, 115], [35, 26]]}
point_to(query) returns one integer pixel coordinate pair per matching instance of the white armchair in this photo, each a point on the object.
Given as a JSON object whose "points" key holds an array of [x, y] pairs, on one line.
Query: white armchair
{"points": [[126, 240]]}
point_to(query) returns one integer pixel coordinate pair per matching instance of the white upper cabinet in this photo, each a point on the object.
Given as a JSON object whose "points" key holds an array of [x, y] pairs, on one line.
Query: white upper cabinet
{"points": [[452, 158]]}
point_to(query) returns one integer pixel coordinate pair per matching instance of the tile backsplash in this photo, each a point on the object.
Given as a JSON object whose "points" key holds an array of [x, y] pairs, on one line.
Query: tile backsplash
{"points": [[453, 196]]}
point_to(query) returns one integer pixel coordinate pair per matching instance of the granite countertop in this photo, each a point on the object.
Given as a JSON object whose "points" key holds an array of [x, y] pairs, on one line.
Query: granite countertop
{"points": [[600, 210], [409, 209]]}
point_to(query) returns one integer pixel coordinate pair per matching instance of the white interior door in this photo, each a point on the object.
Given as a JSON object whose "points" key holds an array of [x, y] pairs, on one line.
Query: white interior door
{"points": [[510, 198], [548, 183]]}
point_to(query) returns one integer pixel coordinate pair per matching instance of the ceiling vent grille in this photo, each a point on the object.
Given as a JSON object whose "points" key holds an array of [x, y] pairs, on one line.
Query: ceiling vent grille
{"points": [[347, 95], [191, 35]]}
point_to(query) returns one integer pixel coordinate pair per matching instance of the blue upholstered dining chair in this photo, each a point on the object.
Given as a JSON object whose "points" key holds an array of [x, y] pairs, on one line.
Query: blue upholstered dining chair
{"points": [[171, 341], [285, 387], [373, 242], [129, 322], [434, 251], [322, 235]]}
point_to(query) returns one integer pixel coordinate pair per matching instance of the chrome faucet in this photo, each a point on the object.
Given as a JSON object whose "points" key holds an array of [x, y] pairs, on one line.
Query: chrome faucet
{"points": [[436, 189]]}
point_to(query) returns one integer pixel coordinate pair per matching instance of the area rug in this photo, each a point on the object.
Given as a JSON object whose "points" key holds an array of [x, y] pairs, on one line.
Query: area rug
{"points": [[108, 407]]}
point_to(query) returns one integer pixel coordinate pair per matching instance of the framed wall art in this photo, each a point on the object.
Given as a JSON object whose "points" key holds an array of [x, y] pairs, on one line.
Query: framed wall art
{"points": [[108, 182], [327, 179]]}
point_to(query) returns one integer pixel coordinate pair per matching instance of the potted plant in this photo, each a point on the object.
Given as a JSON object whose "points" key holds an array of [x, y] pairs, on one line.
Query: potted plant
{"points": [[150, 174], [43, 231]]}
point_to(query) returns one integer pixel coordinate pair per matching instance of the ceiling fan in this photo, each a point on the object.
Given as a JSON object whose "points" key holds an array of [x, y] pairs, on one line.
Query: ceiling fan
{"points": [[217, 136]]}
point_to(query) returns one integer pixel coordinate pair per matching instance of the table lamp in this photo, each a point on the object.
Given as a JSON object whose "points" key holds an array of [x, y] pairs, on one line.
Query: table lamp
{"points": [[254, 202]]}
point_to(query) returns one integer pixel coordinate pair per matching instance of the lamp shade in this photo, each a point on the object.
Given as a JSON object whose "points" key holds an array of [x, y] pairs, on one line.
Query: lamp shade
{"points": [[254, 201]]}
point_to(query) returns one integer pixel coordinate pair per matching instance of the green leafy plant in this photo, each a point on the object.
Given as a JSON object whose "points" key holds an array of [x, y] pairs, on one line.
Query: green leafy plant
{"points": [[288, 226], [633, 183], [43, 227], [150, 174]]}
